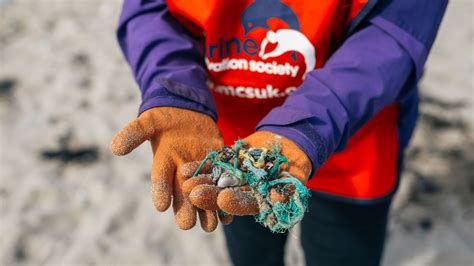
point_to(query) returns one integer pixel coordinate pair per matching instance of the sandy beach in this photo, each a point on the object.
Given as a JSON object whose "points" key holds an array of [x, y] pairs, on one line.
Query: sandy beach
{"points": [[65, 89]]}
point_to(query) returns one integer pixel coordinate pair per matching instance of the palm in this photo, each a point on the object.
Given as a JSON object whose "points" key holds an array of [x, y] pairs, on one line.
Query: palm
{"points": [[177, 137]]}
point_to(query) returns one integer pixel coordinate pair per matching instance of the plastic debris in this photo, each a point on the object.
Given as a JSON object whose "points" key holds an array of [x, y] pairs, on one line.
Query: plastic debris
{"points": [[260, 168]]}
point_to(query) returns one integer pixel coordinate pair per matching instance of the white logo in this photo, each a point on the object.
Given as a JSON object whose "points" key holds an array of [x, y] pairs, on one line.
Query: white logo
{"points": [[289, 40]]}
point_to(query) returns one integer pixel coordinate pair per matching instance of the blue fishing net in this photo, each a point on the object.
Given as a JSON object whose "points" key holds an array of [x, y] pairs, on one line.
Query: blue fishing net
{"points": [[260, 169]]}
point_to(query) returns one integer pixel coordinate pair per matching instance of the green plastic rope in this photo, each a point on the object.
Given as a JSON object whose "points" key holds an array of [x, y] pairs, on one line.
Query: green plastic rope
{"points": [[278, 217]]}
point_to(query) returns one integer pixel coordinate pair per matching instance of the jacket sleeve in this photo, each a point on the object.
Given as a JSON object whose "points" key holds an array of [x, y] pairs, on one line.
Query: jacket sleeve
{"points": [[364, 75], [167, 62]]}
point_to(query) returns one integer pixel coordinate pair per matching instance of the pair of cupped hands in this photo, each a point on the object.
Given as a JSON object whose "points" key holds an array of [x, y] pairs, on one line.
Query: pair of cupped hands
{"points": [[180, 140]]}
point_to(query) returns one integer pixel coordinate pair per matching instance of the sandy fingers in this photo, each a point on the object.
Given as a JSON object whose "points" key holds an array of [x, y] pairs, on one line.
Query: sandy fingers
{"points": [[237, 202], [193, 182], [205, 197], [208, 220]]}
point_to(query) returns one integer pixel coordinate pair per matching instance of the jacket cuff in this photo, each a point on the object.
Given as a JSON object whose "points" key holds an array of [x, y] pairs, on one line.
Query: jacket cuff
{"points": [[159, 96], [306, 138]]}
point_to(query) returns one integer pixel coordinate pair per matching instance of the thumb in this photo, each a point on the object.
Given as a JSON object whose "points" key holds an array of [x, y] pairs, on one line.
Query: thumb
{"points": [[130, 137]]}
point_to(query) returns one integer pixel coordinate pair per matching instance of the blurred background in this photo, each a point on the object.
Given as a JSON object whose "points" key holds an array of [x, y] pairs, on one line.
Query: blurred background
{"points": [[64, 200]]}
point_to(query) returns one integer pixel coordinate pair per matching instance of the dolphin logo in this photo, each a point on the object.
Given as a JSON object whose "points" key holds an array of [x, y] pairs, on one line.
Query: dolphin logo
{"points": [[289, 40], [257, 14]]}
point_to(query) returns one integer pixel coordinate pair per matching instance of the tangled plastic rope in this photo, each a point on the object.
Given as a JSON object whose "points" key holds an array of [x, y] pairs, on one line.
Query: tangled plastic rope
{"points": [[261, 170]]}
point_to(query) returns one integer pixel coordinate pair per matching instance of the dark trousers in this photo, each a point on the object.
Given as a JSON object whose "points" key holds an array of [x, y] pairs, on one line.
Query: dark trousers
{"points": [[332, 234]]}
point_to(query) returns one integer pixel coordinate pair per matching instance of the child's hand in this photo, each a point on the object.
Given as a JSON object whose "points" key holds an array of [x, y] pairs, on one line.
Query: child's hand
{"points": [[239, 201], [177, 136]]}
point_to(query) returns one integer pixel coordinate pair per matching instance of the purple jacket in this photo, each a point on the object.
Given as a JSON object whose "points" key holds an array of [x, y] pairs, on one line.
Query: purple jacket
{"points": [[380, 63]]}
